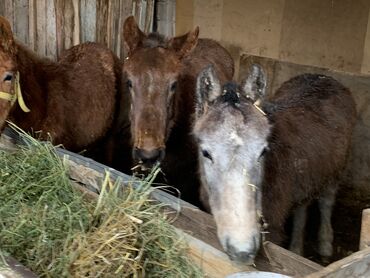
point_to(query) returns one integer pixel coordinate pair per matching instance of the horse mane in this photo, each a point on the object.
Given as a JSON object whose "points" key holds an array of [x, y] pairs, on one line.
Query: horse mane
{"points": [[155, 39], [230, 93]]}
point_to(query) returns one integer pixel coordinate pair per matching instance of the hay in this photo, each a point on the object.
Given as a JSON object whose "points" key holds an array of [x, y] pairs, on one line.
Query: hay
{"points": [[48, 226]]}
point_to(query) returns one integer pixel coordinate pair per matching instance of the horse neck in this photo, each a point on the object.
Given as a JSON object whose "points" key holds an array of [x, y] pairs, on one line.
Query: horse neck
{"points": [[33, 81]]}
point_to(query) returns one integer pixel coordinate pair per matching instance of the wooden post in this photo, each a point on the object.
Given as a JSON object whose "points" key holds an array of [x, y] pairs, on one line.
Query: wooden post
{"points": [[365, 229]]}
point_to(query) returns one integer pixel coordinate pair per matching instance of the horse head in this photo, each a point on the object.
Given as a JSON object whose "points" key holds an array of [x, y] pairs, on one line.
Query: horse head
{"points": [[152, 68]]}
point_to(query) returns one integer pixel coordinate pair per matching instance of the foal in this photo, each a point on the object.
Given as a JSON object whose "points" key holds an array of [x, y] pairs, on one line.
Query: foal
{"points": [[73, 101], [259, 165]]}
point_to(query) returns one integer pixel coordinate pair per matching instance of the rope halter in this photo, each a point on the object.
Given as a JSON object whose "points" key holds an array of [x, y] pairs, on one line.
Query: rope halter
{"points": [[17, 95]]}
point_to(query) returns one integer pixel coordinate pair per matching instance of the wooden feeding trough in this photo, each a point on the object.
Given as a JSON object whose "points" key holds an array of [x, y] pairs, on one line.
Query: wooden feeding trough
{"points": [[199, 230]]}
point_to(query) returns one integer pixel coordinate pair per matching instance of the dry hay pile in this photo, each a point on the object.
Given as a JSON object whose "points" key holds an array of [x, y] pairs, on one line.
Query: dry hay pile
{"points": [[51, 228]]}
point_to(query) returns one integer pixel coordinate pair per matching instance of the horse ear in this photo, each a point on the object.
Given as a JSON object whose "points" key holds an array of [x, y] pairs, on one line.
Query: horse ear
{"points": [[254, 85], [208, 89], [132, 35], [6, 34], [184, 44]]}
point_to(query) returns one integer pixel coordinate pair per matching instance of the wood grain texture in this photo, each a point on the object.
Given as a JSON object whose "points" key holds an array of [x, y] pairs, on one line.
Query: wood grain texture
{"points": [[356, 265], [41, 23], [51, 26], [87, 20], [21, 20], [365, 229]]}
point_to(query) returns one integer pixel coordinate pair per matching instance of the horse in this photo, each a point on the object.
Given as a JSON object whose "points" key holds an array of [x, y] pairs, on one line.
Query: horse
{"points": [[160, 76], [259, 163], [71, 102]]}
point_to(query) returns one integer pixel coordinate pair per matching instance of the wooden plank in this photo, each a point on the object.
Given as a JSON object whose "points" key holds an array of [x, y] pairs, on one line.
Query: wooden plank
{"points": [[41, 23], [2, 8], [292, 264], [32, 24], [115, 27], [21, 20], [88, 20], [9, 11], [365, 229], [102, 21], [185, 216], [50, 32], [212, 261], [191, 220], [17, 270], [76, 23], [126, 10], [356, 265]]}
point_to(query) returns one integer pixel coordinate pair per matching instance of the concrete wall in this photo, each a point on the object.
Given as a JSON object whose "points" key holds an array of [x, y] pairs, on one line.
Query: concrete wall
{"points": [[332, 34]]}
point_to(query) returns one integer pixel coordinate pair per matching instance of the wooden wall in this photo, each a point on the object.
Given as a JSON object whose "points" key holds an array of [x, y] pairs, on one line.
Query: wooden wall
{"points": [[50, 26]]}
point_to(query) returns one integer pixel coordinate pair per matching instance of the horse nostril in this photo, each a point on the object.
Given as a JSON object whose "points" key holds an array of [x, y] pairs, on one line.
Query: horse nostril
{"points": [[149, 156], [246, 257]]}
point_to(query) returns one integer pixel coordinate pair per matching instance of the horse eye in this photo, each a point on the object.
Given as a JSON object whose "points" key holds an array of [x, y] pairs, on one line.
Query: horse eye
{"points": [[8, 77], [173, 86], [207, 155], [129, 84], [263, 152]]}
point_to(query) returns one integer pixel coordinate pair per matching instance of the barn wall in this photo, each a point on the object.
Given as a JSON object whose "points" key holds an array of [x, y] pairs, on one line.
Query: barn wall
{"points": [[331, 34], [51, 26]]}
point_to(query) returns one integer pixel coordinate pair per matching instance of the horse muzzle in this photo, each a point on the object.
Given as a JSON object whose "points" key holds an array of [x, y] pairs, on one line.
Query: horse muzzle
{"points": [[149, 157], [243, 255]]}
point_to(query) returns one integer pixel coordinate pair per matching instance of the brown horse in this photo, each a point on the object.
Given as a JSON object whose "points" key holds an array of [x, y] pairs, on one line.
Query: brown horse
{"points": [[256, 163], [73, 101], [161, 76]]}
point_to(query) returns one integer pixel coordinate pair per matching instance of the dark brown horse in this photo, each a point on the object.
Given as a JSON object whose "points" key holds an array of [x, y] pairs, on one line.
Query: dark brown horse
{"points": [[256, 163], [74, 100], [161, 78]]}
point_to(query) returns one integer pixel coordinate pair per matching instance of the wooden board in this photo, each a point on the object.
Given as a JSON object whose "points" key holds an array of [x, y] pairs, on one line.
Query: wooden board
{"points": [[197, 226], [365, 229], [356, 265]]}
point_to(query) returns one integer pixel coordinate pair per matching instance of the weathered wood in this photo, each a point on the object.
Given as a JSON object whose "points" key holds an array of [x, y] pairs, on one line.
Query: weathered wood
{"points": [[102, 21], [51, 41], [41, 23], [183, 215], [21, 20], [76, 22], [356, 265], [365, 229], [9, 11], [66, 24], [126, 9], [212, 261], [189, 218], [17, 270], [32, 24], [2, 8], [88, 16], [292, 264]]}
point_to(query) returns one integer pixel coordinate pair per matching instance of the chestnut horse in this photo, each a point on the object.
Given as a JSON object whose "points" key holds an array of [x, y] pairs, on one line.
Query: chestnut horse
{"points": [[161, 78], [268, 162], [72, 101]]}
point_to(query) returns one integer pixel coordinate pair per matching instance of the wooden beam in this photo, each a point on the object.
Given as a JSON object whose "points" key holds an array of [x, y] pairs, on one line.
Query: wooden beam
{"points": [[365, 229], [186, 217], [356, 265], [291, 263], [16, 270]]}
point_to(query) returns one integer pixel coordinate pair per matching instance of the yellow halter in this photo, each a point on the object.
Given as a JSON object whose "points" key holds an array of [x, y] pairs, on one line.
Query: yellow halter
{"points": [[16, 96]]}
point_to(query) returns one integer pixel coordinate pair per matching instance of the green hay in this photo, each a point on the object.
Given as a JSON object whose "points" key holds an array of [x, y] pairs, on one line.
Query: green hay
{"points": [[51, 228]]}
